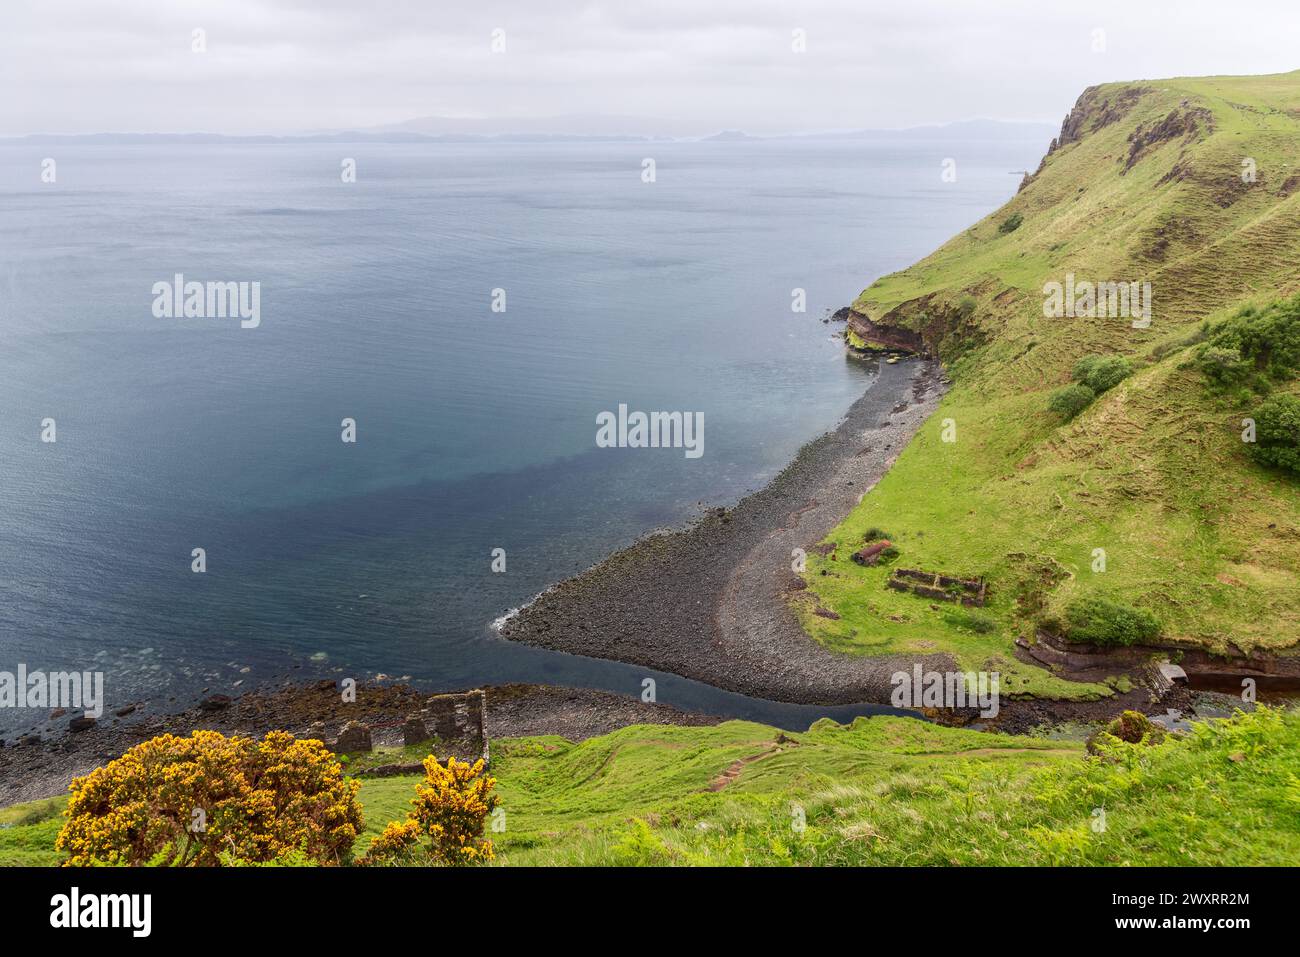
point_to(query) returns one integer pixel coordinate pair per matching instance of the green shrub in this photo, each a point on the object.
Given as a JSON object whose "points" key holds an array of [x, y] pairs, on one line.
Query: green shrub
{"points": [[978, 622], [1277, 433], [1011, 224], [1071, 400], [1131, 727], [1100, 373], [1099, 621], [1254, 347], [1083, 367], [1223, 366]]}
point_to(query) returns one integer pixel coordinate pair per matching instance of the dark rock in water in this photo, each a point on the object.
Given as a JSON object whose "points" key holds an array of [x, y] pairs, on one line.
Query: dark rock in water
{"points": [[82, 723], [58, 713], [28, 739], [354, 738], [327, 684], [216, 702], [841, 314], [414, 731], [124, 711]]}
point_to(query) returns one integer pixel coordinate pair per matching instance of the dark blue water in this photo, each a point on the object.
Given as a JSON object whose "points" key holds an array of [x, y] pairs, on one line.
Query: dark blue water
{"points": [[476, 430]]}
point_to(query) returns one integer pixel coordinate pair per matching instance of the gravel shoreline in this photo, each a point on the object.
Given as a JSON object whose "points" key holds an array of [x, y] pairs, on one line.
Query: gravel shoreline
{"points": [[707, 601]]}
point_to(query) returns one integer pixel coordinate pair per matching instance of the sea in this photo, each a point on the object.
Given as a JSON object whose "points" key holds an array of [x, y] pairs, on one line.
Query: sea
{"points": [[463, 312]]}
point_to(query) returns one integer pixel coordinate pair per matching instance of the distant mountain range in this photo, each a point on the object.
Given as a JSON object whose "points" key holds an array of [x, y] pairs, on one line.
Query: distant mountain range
{"points": [[575, 128]]}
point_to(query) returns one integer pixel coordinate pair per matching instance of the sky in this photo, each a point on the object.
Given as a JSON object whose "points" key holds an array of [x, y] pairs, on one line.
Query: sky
{"points": [[692, 66]]}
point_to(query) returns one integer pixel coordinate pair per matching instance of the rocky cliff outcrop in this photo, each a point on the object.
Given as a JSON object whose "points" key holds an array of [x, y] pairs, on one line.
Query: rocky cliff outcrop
{"points": [[932, 326], [877, 337], [1093, 110]]}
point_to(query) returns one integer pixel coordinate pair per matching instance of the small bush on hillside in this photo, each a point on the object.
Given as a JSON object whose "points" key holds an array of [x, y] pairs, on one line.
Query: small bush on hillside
{"points": [[1224, 367], [1131, 727], [1255, 347], [211, 800], [447, 820], [1099, 621], [966, 307], [978, 622], [1100, 373], [1277, 433], [1071, 400], [1011, 224], [1083, 367]]}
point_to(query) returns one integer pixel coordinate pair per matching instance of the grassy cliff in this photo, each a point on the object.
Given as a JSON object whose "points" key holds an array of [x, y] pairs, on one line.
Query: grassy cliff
{"points": [[1193, 186], [878, 791]]}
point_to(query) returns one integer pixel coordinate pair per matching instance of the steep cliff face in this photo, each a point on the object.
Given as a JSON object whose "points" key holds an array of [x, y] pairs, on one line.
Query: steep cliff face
{"points": [[1180, 183], [1189, 190], [929, 326], [1097, 107], [878, 337]]}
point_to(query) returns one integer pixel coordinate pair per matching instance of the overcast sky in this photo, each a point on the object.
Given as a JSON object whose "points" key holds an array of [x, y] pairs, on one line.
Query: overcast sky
{"points": [[294, 65]]}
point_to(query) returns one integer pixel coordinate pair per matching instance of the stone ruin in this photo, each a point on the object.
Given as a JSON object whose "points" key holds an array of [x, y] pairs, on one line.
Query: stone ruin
{"points": [[969, 591], [870, 554], [453, 725]]}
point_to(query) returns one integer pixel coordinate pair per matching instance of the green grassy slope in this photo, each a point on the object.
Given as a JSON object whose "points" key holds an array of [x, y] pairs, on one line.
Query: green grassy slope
{"points": [[879, 791], [27, 833], [1154, 472], [895, 791]]}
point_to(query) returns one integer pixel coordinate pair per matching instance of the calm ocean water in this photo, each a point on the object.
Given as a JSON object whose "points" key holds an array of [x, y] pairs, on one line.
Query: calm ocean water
{"points": [[475, 429]]}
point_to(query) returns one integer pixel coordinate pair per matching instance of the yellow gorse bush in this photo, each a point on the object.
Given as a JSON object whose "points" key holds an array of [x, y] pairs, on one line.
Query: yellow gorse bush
{"points": [[450, 809], [208, 799]]}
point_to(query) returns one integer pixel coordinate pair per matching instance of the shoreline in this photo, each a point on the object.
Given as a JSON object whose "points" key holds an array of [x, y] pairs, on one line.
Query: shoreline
{"points": [[707, 601]]}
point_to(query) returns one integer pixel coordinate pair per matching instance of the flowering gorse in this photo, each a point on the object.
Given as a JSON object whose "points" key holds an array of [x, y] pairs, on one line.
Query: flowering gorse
{"points": [[208, 800], [449, 810]]}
